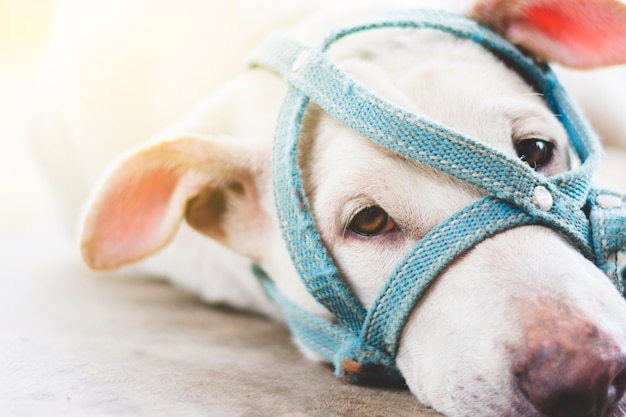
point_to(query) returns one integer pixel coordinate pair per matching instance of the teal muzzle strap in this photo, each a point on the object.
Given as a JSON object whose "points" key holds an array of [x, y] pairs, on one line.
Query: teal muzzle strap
{"points": [[363, 343]]}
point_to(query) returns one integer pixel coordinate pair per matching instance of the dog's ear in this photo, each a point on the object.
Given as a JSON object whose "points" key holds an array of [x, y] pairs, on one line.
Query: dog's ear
{"points": [[575, 33], [138, 208]]}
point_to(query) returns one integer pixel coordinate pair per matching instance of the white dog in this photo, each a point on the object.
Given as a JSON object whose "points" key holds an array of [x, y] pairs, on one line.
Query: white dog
{"points": [[520, 325]]}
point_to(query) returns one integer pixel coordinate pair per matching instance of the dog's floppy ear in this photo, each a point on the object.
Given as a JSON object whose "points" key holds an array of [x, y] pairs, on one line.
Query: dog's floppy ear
{"points": [[575, 33], [137, 210]]}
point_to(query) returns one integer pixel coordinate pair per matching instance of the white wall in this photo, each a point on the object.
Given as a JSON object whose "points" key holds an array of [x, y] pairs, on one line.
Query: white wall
{"points": [[24, 26]]}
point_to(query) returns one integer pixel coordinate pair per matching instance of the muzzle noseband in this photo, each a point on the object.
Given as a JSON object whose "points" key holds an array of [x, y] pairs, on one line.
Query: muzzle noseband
{"points": [[363, 343]]}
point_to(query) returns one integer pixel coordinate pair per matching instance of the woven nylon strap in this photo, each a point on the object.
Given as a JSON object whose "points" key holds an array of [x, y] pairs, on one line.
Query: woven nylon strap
{"points": [[370, 337]]}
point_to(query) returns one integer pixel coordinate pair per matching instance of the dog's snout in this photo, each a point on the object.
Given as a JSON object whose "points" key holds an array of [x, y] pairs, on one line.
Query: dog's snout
{"points": [[571, 369]]}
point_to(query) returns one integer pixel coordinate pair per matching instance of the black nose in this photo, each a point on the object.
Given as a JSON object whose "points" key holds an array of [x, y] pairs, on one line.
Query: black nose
{"points": [[579, 394], [572, 370]]}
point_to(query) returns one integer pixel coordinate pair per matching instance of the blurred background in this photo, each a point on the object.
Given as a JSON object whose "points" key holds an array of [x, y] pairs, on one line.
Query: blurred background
{"points": [[24, 27]]}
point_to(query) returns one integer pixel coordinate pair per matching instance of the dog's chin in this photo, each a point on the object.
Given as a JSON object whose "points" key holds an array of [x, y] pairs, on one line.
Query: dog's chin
{"points": [[493, 403], [500, 396], [467, 400]]}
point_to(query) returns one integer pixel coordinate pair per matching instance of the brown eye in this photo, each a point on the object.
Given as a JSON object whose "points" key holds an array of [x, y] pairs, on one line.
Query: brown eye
{"points": [[371, 221], [535, 152]]}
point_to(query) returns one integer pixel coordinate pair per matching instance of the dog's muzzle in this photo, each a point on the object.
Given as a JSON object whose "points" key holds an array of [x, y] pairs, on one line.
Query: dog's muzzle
{"points": [[362, 343]]}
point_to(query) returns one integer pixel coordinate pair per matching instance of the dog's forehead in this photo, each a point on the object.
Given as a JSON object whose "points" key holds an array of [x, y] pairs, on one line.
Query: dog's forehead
{"points": [[453, 81]]}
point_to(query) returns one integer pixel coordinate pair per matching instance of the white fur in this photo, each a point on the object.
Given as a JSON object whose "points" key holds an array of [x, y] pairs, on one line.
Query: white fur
{"points": [[99, 98]]}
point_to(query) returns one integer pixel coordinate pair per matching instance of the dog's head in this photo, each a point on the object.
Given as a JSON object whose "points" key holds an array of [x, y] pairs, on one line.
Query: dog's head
{"points": [[521, 324]]}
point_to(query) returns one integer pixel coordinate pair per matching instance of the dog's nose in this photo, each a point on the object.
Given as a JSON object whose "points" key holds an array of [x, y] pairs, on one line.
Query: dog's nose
{"points": [[570, 369]]}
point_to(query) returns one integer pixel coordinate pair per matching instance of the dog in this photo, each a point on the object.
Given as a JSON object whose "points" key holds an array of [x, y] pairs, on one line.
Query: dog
{"points": [[522, 324]]}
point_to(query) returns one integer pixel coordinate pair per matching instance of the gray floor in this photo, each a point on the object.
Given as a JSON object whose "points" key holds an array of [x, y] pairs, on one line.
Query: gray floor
{"points": [[75, 343]]}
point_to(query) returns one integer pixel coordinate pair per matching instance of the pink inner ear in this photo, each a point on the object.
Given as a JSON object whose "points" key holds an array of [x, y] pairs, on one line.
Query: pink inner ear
{"points": [[587, 25], [131, 220], [581, 33], [138, 209]]}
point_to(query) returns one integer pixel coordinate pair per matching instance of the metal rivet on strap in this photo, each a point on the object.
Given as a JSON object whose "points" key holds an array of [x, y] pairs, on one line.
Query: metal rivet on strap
{"points": [[542, 199], [608, 201], [300, 60]]}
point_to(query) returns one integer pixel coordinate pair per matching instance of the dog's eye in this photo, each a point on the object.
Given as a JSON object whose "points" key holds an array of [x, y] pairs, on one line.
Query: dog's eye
{"points": [[371, 221], [535, 152]]}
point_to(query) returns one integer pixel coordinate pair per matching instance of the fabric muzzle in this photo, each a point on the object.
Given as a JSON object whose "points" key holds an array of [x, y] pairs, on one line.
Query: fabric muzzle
{"points": [[362, 343]]}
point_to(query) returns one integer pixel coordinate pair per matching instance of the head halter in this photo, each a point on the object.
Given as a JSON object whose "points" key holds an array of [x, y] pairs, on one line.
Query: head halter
{"points": [[362, 343]]}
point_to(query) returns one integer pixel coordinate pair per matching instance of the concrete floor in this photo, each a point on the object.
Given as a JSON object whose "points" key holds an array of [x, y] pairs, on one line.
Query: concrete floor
{"points": [[76, 343]]}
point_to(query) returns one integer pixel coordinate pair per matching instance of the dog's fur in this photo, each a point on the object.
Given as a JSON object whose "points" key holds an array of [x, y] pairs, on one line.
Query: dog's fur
{"points": [[476, 343]]}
